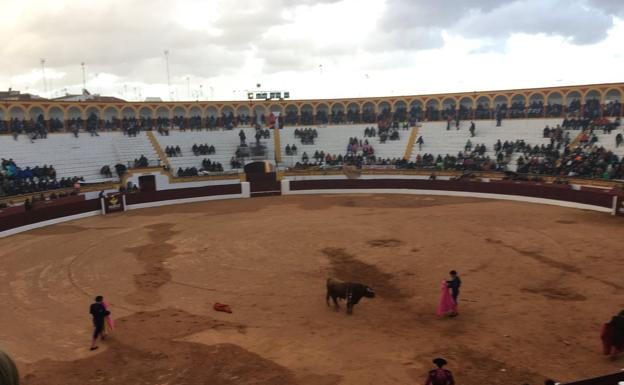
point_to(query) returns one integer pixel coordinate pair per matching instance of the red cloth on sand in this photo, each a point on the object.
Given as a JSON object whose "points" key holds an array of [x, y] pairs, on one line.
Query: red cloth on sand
{"points": [[222, 307]]}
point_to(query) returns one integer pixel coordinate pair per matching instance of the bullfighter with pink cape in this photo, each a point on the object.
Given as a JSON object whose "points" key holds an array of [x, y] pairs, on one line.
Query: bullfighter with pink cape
{"points": [[447, 305]]}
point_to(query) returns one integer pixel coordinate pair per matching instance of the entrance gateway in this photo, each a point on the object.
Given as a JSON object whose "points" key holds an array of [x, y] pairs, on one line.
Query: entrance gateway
{"points": [[262, 179]]}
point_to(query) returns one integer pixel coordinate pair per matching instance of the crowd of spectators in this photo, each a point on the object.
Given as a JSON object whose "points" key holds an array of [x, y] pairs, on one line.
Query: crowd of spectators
{"points": [[591, 161], [576, 124], [612, 108], [208, 166], [291, 149], [235, 163], [356, 146], [306, 135], [389, 130], [141, 162], [15, 180], [187, 172], [464, 161], [173, 151], [202, 149], [370, 132]]}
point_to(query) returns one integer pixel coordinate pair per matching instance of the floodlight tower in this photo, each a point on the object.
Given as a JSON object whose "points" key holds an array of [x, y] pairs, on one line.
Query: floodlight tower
{"points": [[168, 75], [84, 77], [45, 85]]}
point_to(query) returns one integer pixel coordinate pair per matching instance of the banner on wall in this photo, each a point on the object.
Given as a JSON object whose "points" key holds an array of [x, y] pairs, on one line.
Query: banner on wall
{"points": [[114, 203]]}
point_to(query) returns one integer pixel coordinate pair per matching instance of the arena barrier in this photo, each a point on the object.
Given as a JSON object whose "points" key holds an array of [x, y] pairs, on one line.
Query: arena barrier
{"points": [[17, 221], [609, 379], [551, 194]]}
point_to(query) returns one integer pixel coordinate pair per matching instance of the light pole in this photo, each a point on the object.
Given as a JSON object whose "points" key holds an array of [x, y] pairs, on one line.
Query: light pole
{"points": [[45, 85], [168, 76], [188, 86], [84, 77]]}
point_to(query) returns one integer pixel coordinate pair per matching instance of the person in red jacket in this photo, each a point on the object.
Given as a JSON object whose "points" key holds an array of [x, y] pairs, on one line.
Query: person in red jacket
{"points": [[440, 376]]}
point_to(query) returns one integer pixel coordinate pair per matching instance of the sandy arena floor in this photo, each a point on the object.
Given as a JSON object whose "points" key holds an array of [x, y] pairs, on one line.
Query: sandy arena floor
{"points": [[538, 283]]}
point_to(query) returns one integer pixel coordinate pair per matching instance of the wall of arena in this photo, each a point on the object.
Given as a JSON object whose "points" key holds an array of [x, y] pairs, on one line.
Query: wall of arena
{"points": [[107, 110], [16, 219]]}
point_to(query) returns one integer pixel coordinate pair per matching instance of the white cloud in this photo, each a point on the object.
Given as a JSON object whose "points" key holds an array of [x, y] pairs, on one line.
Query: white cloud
{"points": [[405, 46]]}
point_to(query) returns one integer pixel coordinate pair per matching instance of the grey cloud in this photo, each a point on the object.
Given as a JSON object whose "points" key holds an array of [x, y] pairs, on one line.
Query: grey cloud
{"points": [[418, 24], [127, 37], [560, 18]]}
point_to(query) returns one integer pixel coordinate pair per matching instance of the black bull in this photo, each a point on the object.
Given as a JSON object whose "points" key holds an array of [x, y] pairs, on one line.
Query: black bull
{"points": [[350, 291]]}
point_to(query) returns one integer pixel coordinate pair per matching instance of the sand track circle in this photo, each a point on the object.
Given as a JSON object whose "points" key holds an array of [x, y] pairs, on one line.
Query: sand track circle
{"points": [[538, 283]]}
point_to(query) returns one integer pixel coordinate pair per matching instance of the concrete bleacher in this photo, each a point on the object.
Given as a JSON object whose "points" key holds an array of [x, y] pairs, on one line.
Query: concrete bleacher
{"points": [[225, 142], [439, 141], [333, 139], [83, 156]]}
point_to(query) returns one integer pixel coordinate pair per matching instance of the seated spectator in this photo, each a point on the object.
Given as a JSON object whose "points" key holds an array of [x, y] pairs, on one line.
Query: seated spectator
{"points": [[106, 172]]}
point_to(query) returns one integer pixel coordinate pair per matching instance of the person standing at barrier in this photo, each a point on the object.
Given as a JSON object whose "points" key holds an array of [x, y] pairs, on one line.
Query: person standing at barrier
{"points": [[99, 313], [8, 371], [612, 336], [454, 285], [440, 376]]}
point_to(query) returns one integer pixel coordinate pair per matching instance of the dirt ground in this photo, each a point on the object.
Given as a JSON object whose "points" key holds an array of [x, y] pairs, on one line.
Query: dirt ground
{"points": [[538, 282]]}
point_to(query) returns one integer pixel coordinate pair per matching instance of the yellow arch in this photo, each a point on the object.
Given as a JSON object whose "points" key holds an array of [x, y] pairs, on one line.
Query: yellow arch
{"points": [[489, 99], [77, 106], [306, 104], [521, 95], [566, 102], [600, 95], [552, 92], [143, 107], [118, 113], [99, 110], [212, 107], [331, 106], [368, 102], [317, 105], [452, 99], [606, 92], [135, 112], [537, 93], [223, 107], [185, 111], [472, 101], [507, 99], [436, 100], [378, 105], [239, 107], [394, 105], [281, 108], [37, 105], [419, 100], [359, 107]]}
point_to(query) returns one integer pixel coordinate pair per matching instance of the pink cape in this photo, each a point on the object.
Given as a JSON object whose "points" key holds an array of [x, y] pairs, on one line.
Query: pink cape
{"points": [[447, 304], [109, 321]]}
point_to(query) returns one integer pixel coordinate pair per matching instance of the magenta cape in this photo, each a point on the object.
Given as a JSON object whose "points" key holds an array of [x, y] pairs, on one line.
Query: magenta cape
{"points": [[447, 305]]}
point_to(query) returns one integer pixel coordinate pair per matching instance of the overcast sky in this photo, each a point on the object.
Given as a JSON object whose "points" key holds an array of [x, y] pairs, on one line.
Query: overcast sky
{"points": [[312, 48]]}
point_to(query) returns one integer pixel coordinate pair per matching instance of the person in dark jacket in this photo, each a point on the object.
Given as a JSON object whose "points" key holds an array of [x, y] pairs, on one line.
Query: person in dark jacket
{"points": [[99, 313], [440, 376], [454, 285]]}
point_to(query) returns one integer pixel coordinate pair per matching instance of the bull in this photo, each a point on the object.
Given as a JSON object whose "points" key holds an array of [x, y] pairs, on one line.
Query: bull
{"points": [[351, 291]]}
